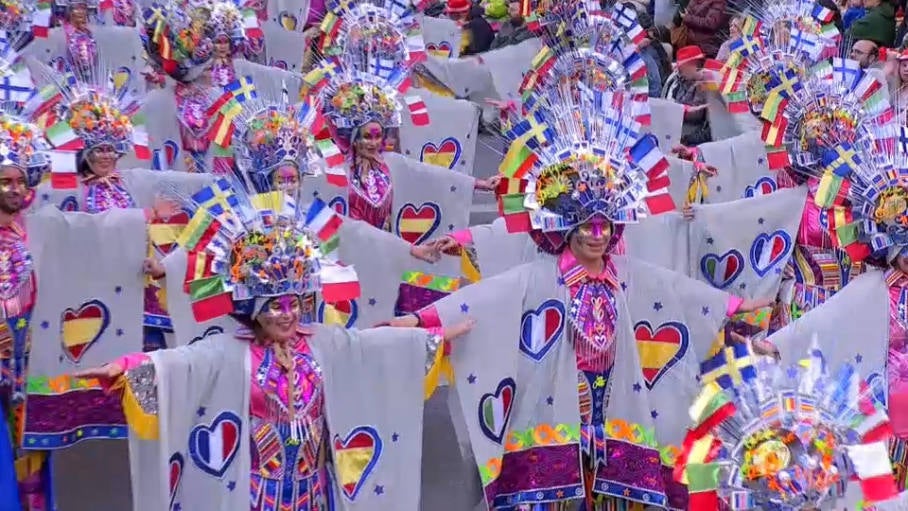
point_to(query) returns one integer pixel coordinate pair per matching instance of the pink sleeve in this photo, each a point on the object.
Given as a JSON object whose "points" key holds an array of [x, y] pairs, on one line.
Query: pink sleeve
{"points": [[734, 303], [463, 236], [127, 362], [428, 317]]}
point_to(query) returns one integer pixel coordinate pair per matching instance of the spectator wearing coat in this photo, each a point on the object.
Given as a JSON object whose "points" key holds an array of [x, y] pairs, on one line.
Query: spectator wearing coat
{"points": [[706, 21], [877, 25]]}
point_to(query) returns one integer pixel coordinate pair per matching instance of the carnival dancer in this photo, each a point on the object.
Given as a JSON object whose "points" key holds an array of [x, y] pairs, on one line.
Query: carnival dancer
{"points": [[769, 437], [194, 42], [371, 49], [866, 321], [22, 146], [301, 433], [275, 147], [573, 316]]}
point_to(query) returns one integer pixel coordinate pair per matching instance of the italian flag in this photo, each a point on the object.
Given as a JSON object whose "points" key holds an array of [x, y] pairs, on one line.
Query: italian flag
{"points": [[63, 138], [339, 283], [335, 162]]}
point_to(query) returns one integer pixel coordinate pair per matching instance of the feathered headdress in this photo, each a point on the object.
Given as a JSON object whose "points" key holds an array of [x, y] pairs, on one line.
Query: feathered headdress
{"points": [[836, 124], [179, 36], [579, 156], [590, 48], [370, 49], [84, 112], [779, 438], [268, 133], [244, 249], [780, 41]]}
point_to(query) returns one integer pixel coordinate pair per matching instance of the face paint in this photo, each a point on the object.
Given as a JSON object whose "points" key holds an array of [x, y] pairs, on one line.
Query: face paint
{"points": [[595, 228], [287, 304], [286, 178]]}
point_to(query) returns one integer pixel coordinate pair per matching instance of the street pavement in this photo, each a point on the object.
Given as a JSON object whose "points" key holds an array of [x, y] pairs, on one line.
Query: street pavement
{"points": [[95, 475]]}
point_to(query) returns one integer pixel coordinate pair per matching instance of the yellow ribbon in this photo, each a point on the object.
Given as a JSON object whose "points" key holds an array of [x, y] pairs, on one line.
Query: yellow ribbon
{"points": [[441, 366], [697, 191], [144, 425]]}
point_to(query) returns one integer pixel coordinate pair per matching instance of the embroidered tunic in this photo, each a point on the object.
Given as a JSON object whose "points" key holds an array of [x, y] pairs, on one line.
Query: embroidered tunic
{"points": [[371, 196], [816, 269], [290, 459]]}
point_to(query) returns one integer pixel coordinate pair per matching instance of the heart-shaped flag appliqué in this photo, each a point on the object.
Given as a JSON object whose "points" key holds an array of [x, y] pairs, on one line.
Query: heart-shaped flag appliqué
{"points": [[446, 154], [763, 186], [416, 224], [164, 233], [722, 270], [495, 410], [69, 204], [359, 452], [540, 328], [171, 153], [878, 385], [212, 330], [81, 327], [769, 250], [176, 476], [287, 20], [339, 204], [343, 313], [214, 446], [660, 348], [440, 49]]}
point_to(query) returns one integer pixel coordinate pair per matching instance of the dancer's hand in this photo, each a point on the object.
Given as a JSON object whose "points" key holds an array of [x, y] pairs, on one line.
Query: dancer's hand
{"points": [[757, 303], [428, 253], [459, 329], [708, 170], [687, 212], [684, 152], [164, 208], [153, 268], [105, 372], [446, 245], [488, 185]]}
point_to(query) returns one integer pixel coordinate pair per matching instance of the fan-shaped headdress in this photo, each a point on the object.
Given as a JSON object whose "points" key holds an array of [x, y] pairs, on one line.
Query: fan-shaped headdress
{"points": [[22, 144], [268, 133], [592, 49], [836, 124], [244, 249], [779, 43], [80, 112], [370, 49], [579, 156], [764, 437], [179, 35]]}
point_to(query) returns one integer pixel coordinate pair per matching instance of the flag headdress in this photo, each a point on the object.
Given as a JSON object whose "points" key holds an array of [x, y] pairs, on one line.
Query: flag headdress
{"points": [[590, 48], [370, 49], [22, 143], [180, 35], [17, 17], [269, 133], [580, 156], [768, 437], [244, 249], [836, 124], [780, 41], [84, 111]]}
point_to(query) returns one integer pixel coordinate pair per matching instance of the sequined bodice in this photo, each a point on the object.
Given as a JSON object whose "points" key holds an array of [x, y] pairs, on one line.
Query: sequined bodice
{"points": [[222, 72], [102, 194], [192, 104], [81, 46], [288, 431], [370, 196]]}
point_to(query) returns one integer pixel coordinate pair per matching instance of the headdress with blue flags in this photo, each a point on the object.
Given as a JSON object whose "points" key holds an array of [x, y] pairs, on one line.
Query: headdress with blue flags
{"points": [[245, 248], [590, 48], [84, 111], [780, 41], [779, 437], [271, 132], [579, 156], [370, 49]]}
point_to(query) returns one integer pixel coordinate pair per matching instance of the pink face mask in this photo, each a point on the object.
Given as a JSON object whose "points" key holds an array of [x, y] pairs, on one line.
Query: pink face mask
{"points": [[287, 304], [595, 228]]}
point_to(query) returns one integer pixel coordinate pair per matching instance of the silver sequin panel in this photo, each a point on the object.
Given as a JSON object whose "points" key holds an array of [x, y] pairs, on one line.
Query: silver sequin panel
{"points": [[141, 380]]}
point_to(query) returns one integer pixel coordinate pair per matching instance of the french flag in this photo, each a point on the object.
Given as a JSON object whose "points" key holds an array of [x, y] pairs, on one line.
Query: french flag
{"points": [[648, 157]]}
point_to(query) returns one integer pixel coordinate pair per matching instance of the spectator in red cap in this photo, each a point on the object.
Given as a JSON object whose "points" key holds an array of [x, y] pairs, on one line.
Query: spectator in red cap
{"points": [[478, 33], [706, 21], [685, 86]]}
